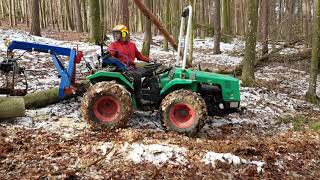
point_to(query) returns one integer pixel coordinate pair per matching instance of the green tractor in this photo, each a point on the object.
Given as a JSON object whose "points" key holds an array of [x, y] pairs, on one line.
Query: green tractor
{"points": [[184, 97]]}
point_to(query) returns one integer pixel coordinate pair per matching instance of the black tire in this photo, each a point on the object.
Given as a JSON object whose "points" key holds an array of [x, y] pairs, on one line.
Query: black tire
{"points": [[106, 105], [174, 108]]}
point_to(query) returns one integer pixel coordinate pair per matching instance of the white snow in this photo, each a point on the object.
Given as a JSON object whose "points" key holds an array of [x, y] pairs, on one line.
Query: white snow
{"points": [[157, 154], [211, 158]]}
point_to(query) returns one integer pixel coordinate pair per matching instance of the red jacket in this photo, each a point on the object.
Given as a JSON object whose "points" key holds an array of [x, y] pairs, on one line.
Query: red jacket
{"points": [[127, 52]]}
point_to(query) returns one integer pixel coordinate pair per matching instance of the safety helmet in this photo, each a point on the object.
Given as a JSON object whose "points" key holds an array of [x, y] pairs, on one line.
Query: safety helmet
{"points": [[123, 30]]}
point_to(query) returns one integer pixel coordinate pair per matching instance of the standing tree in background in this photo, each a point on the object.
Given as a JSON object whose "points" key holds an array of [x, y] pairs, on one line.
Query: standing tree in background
{"points": [[216, 26], [264, 26], [311, 94], [79, 25], [35, 18], [247, 76], [68, 14], [167, 22], [125, 13], [175, 18], [102, 14], [85, 21], [147, 32], [94, 18], [226, 16], [306, 19]]}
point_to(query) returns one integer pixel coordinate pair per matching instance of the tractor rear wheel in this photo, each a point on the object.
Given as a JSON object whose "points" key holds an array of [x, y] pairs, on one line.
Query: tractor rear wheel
{"points": [[106, 105], [183, 111]]}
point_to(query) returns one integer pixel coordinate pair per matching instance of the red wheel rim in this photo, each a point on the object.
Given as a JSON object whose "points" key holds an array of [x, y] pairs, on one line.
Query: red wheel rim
{"points": [[106, 108], [182, 115]]}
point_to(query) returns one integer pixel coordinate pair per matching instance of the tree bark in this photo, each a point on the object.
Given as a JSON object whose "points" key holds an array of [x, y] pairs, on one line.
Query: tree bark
{"points": [[226, 16], [166, 20], [247, 76], [68, 14], [85, 24], [102, 14], [306, 19], [125, 13], [264, 26], [79, 25], [147, 33], [311, 94], [35, 19], [216, 26], [11, 107], [94, 16]]}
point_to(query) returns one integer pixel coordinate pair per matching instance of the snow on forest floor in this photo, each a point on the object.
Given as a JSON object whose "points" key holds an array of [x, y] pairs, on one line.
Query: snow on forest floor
{"points": [[259, 141]]}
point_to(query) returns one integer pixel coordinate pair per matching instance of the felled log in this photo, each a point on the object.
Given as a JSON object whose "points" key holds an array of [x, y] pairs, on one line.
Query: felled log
{"points": [[50, 96], [11, 107]]}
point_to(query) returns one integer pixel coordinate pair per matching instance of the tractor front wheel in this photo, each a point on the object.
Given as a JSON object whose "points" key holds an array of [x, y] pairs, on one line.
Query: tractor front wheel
{"points": [[183, 111], [106, 105]]}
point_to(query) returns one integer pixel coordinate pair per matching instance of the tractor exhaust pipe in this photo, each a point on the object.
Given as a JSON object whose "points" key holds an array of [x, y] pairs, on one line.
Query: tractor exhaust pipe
{"points": [[186, 44], [180, 40], [186, 12]]}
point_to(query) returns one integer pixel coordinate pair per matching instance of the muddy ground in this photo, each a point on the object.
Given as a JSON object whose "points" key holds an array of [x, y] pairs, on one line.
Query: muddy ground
{"points": [[275, 136]]}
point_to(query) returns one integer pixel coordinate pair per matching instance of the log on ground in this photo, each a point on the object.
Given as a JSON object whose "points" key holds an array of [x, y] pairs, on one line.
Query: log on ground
{"points": [[50, 96], [11, 107]]}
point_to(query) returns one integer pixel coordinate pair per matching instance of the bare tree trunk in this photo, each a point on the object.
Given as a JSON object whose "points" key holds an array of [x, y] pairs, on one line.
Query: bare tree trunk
{"points": [[2, 9], [52, 14], [306, 19], [125, 12], [311, 94], [216, 26], [85, 21], [176, 6], [289, 19], [166, 20], [27, 12], [147, 33], [226, 16], [35, 18], [102, 14], [202, 19], [264, 26], [14, 13], [250, 47], [79, 26], [94, 16], [68, 14], [10, 13]]}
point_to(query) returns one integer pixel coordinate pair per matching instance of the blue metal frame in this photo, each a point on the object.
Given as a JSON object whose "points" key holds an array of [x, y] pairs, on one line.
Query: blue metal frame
{"points": [[114, 62], [65, 73]]}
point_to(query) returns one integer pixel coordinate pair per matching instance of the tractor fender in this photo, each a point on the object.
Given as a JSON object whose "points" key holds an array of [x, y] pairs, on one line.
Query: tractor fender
{"points": [[110, 76], [179, 84]]}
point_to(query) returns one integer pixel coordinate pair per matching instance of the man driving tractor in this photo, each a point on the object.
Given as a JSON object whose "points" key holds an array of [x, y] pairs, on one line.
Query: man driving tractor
{"points": [[126, 51]]}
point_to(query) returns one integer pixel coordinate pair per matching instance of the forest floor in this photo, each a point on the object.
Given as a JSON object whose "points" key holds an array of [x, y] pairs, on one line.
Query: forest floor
{"points": [[276, 135]]}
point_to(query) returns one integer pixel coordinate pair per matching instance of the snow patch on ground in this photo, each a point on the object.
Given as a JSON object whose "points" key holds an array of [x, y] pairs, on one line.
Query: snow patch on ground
{"points": [[211, 158], [157, 154]]}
